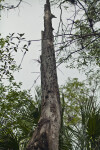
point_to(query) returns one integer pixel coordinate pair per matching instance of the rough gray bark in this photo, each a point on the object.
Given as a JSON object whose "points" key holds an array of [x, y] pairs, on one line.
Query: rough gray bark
{"points": [[46, 135]]}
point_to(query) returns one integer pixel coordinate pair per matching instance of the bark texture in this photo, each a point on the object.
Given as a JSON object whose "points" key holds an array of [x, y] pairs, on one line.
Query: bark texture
{"points": [[46, 135]]}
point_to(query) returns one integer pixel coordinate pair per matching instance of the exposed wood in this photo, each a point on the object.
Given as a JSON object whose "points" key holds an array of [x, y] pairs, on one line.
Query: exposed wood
{"points": [[46, 136]]}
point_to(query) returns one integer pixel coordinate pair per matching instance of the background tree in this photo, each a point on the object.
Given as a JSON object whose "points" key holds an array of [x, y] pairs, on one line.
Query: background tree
{"points": [[80, 34], [19, 115], [81, 115]]}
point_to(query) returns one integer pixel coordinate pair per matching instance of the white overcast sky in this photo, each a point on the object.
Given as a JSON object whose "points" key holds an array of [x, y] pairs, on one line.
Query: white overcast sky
{"points": [[28, 19]]}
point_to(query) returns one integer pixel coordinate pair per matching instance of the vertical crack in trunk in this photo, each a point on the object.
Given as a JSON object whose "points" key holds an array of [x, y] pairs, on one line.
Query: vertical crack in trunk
{"points": [[46, 135]]}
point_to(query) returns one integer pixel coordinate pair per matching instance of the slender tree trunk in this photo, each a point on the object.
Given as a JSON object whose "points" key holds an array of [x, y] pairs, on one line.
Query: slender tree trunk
{"points": [[46, 135]]}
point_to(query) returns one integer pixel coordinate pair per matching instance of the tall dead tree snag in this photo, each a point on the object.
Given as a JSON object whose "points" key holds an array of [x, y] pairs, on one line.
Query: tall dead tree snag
{"points": [[46, 135]]}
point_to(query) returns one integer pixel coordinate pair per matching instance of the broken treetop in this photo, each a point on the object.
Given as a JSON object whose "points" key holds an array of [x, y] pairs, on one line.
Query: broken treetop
{"points": [[47, 21]]}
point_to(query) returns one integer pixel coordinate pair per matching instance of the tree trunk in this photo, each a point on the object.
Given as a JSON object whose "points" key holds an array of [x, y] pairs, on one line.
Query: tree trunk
{"points": [[46, 135]]}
